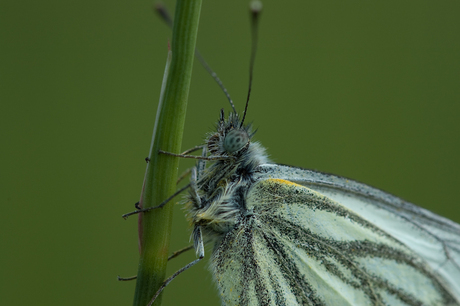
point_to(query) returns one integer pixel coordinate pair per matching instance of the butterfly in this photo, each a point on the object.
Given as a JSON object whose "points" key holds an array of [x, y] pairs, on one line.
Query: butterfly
{"points": [[284, 235]]}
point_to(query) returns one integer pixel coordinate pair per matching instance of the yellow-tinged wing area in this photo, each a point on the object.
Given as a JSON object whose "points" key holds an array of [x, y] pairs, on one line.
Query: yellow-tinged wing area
{"points": [[297, 247]]}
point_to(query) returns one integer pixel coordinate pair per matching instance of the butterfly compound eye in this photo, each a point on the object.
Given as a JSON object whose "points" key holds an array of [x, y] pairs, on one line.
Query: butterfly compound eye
{"points": [[235, 140]]}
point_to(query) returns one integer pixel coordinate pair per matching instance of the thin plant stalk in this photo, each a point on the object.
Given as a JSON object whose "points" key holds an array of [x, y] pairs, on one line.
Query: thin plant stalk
{"points": [[161, 174]]}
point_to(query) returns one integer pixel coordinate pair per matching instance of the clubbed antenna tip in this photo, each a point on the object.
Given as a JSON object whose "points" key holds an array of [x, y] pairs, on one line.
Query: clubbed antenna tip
{"points": [[255, 6]]}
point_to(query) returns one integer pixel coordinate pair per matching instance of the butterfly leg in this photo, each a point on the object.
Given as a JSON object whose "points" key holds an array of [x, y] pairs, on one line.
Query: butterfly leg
{"points": [[173, 255], [197, 235], [199, 246], [186, 152], [195, 176], [198, 239], [125, 216], [201, 165], [124, 279], [191, 150], [181, 177], [197, 157]]}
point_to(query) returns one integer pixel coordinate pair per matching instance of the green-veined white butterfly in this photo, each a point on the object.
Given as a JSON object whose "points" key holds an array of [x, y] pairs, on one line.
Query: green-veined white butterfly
{"points": [[289, 236]]}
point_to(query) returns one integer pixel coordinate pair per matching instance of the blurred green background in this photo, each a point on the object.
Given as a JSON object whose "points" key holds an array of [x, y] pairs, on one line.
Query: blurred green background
{"points": [[364, 89]]}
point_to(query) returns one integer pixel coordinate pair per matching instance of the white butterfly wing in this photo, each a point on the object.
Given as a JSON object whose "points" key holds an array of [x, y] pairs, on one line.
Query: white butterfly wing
{"points": [[433, 238], [296, 246]]}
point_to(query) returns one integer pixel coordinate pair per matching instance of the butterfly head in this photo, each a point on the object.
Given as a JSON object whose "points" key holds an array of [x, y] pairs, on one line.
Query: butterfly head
{"points": [[231, 138]]}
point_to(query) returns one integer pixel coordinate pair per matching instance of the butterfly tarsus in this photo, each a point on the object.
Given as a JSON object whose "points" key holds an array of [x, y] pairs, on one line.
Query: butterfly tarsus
{"points": [[124, 279], [181, 177], [166, 282], [125, 216], [173, 255], [200, 250]]}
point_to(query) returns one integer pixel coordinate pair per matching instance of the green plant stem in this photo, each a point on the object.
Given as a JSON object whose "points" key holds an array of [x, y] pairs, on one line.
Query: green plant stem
{"points": [[161, 173]]}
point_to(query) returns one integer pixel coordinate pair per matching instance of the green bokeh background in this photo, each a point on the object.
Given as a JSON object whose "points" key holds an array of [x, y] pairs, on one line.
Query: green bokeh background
{"points": [[365, 89]]}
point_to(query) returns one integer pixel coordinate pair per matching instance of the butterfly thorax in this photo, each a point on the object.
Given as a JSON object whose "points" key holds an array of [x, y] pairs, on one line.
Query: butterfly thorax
{"points": [[222, 187]]}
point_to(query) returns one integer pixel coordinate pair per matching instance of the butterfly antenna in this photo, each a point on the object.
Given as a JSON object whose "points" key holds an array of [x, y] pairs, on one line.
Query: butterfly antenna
{"points": [[215, 77], [255, 9], [164, 14]]}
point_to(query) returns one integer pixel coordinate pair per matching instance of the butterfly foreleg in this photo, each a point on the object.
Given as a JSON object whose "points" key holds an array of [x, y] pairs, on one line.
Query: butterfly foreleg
{"points": [[201, 163], [196, 172], [194, 188]]}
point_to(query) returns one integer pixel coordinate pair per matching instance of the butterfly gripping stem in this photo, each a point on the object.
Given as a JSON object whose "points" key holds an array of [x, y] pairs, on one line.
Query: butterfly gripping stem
{"points": [[200, 251], [125, 216]]}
